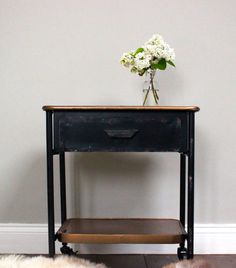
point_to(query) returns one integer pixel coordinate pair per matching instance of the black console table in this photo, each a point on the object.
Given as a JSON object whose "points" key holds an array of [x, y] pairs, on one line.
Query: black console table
{"points": [[122, 129]]}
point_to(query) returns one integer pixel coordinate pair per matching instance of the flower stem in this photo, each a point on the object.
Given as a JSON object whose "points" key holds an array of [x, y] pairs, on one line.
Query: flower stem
{"points": [[156, 98], [145, 98], [155, 95]]}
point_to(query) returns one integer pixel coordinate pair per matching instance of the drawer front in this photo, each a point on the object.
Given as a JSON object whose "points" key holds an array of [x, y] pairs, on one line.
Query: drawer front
{"points": [[124, 131]]}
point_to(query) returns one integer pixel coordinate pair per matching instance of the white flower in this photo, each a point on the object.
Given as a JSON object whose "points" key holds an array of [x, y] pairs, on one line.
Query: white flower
{"points": [[143, 56], [142, 61], [152, 50], [171, 54], [142, 64], [147, 56], [155, 40], [159, 49], [127, 59]]}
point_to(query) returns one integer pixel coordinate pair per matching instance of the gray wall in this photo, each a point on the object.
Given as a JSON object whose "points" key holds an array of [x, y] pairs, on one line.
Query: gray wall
{"points": [[67, 52]]}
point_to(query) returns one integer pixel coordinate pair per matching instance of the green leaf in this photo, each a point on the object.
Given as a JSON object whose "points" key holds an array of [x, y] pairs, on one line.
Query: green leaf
{"points": [[138, 50], [171, 63], [161, 65], [154, 66]]}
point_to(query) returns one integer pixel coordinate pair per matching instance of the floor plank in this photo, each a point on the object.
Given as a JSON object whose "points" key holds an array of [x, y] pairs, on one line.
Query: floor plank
{"points": [[122, 261], [158, 261], [89, 257]]}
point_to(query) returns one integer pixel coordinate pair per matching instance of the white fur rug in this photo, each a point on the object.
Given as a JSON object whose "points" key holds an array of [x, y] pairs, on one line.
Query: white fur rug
{"points": [[17, 261]]}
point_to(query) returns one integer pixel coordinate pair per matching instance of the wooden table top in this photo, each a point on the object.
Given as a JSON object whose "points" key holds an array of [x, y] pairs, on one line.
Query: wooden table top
{"points": [[162, 108]]}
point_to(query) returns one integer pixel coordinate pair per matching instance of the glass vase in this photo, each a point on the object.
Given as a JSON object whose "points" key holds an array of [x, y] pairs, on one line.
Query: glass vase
{"points": [[150, 90]]}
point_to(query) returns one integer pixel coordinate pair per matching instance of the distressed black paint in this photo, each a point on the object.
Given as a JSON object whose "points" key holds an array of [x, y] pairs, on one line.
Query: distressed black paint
{"points": [[126, 131]]}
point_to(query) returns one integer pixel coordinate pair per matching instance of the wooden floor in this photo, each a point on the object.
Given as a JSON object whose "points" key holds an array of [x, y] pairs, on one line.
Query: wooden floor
{"points": [[156, 261]]}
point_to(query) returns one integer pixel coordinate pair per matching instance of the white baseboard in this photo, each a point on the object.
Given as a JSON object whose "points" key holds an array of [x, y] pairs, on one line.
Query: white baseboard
{"points": [[32, 239]]}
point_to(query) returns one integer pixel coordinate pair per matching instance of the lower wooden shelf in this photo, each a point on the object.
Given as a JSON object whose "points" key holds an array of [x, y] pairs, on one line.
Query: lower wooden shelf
{"points": [[122, 231]]}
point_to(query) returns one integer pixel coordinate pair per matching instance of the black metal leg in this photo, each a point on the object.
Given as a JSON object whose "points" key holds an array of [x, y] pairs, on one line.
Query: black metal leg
{"points": [[182, 188], [50, 187], [182, 251], [190, 230], [64, 249], [63, 186]]}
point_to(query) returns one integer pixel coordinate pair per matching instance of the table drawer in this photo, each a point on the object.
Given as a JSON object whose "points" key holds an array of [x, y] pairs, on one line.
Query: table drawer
{"points": [[123, 131]]}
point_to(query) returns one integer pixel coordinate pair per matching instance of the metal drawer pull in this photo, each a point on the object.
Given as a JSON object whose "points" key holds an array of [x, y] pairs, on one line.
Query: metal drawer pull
{"points": [[121, 133]]}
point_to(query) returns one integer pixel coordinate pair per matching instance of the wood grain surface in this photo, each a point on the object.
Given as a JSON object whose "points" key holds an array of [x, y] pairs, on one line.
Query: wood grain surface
{"points": [[160, 231], [165, 108]]}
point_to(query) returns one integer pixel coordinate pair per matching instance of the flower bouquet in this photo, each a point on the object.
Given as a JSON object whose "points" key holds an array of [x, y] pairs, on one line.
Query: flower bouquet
{"points": [[154, 54]]}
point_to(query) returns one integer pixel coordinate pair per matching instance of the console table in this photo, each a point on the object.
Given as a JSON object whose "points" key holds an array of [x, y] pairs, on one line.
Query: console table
{"points": [[122, 129]]}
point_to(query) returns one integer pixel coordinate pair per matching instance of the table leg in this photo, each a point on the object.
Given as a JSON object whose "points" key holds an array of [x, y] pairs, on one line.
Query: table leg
{"points": [[190, 229], [182, 250], [62, 186], [182, 188], [64, 249], [50, 186]]}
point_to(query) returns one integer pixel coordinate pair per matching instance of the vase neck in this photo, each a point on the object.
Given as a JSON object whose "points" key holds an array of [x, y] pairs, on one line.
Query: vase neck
{"points": [[151, 73]]}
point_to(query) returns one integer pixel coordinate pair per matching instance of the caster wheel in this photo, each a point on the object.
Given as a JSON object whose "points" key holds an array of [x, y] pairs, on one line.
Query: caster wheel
{"points": [[182, 253], [68, 251]]}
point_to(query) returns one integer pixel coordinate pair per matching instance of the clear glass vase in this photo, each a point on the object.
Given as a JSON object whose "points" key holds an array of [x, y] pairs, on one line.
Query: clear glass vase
{"points": [[150, 91]]}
